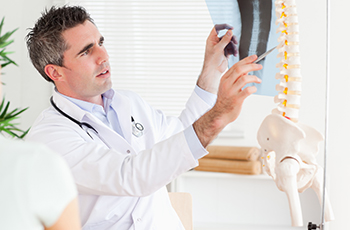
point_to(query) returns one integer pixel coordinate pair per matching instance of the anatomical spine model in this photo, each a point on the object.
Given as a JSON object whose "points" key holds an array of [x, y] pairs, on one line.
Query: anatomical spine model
{"points": [[289, 148]]}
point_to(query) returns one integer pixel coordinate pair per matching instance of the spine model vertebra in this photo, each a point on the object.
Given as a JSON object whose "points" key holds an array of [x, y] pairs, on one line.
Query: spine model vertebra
{"points": [[289, 88]]}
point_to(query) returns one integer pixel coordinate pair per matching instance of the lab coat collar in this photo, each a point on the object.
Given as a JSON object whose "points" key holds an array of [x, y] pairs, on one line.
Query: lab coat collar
{"points": [[120, 104], [68, 107]]}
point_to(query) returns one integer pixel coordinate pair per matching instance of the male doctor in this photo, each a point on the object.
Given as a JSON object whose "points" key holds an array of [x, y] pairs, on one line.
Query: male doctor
{"points": [[122, 152]]}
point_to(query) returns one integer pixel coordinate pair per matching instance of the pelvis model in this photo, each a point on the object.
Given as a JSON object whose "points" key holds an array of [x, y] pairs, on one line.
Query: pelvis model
{"points": [[290, 148]]}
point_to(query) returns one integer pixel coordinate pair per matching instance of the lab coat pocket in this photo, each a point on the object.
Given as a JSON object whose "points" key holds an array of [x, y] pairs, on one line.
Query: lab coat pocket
{"points": [[112, 213], [143, 142]]}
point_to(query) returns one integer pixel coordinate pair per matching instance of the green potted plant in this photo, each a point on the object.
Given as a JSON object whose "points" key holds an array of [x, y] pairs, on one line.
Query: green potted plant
{"points": [[7, 117]]}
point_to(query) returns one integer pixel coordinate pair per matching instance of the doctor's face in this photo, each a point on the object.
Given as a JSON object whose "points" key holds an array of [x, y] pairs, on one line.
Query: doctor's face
{"points": [[86, 71]]}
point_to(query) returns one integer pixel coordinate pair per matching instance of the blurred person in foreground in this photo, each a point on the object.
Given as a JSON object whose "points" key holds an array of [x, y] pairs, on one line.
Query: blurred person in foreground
{"points": [[37, 190]]}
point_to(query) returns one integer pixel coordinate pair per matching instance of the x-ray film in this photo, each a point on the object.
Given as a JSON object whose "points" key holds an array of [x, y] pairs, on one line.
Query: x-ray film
{"points": [[254, 26]]}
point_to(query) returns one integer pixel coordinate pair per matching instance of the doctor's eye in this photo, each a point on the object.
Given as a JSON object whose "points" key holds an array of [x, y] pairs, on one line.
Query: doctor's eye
{"points": [[86, 52], [102, 39]]}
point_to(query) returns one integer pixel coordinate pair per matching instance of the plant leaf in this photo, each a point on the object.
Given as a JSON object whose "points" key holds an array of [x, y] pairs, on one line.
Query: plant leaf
{"points": [[1, 24], [3, 54], [9, 115], [4, 37], [7, 119], [9, 62], [2, 104], [24, 133], [4, 44], [2, 115], [5, 64]]}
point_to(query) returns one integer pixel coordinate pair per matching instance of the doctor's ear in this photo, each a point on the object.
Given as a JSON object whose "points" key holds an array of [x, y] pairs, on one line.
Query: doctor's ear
{"points": [[53, 71]]}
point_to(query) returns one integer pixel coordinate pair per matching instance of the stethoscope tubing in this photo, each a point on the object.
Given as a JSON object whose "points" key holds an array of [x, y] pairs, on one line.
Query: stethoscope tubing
{"points": [[137, 127], [80, 124]]}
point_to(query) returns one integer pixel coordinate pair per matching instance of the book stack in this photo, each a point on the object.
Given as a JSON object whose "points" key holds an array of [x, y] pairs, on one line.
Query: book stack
{"points": [[231, 159]]}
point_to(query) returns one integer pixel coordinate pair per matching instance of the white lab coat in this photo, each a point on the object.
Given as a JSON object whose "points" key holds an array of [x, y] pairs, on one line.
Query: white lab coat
{"points": [[121, 182]]}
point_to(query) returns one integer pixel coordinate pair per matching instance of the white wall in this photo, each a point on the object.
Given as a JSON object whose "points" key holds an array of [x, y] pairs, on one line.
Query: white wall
{"points": [[25, 87], [339, 152]]}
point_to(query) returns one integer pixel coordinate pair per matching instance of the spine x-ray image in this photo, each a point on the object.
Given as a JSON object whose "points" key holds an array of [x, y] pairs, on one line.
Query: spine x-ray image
{"points": [[254, 27]]}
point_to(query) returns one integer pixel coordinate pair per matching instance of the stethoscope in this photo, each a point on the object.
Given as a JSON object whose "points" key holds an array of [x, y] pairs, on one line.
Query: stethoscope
{"points": [[137, 128]]}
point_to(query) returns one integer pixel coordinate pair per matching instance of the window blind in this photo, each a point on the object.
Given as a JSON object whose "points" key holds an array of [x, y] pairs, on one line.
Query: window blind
{"points": [[156, 47]]}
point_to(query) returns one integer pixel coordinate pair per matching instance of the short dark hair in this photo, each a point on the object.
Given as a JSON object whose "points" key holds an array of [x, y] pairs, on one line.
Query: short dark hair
{"points": [[45, 42]]}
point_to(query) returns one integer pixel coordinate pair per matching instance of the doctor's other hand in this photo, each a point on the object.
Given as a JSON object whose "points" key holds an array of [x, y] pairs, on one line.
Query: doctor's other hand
{"points": [[230, 98], [215, 61], [231, 48]]}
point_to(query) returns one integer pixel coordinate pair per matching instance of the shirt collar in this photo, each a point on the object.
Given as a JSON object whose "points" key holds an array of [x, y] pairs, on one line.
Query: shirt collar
{"points": [[107, 98]]}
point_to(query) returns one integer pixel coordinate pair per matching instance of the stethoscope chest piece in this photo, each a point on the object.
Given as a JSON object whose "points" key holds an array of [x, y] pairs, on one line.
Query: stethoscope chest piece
{"points": [[137, 128]]}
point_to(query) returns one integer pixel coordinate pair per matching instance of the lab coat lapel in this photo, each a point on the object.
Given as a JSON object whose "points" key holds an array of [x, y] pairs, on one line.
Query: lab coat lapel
{"points": [[112, 139], [121, 105], [68, 107]]}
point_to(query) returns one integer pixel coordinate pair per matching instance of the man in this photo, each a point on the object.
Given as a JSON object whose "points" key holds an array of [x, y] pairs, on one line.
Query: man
{"points": [[122, 152]]}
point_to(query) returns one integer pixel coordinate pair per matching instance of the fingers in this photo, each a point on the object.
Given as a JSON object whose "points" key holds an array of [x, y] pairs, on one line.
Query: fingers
{"points": [[215, 31], [224, 40], [234, 40], [242, 67], [213, 36], [231, 48], [248, 91], [228, 42], [243, 81], [237, 76], [219, 27], [249, 59], [237, 91]]}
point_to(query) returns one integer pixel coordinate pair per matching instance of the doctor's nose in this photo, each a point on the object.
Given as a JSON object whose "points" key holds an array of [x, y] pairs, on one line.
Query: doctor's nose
{"points": [[102, 55]]}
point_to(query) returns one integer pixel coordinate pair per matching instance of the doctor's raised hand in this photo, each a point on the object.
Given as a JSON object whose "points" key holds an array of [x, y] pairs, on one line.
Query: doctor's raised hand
{"points": [[215, 59], [231, 96]]}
